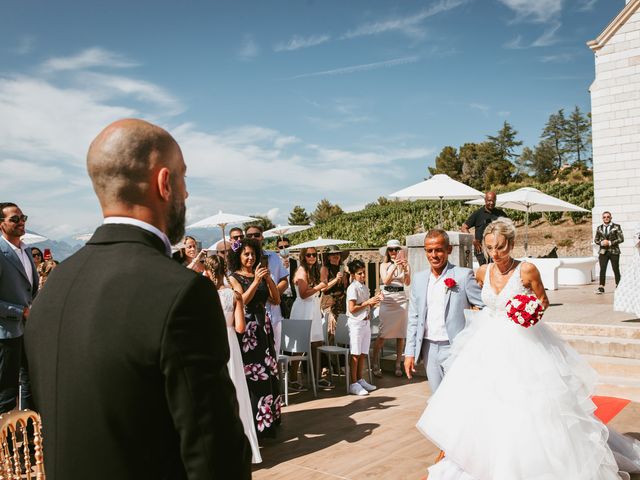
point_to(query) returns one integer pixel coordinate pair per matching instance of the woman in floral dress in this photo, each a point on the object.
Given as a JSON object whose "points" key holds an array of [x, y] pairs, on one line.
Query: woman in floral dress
{"points": [[256, 343]]}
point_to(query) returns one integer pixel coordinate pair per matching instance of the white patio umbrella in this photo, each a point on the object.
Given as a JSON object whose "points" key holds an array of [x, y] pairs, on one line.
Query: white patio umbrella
{"points": [[438, 187], [221, 220], [31, 238], [282, 230], [528, 199]]}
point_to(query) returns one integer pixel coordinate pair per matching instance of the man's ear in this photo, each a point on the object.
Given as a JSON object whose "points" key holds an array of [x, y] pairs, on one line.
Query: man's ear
{"points": [[164, 183]]}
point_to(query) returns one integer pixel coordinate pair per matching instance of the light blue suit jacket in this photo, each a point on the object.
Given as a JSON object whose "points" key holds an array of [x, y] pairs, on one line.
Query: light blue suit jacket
{"points": [[15, 291], [464, 294]]}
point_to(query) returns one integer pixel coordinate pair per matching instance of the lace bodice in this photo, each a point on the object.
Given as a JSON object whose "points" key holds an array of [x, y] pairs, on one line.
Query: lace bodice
{"points": [[227, 301], [497, 302]]}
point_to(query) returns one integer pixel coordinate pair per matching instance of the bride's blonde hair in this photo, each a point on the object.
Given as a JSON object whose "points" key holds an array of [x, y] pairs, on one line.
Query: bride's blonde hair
{"points": [[504, 227]]}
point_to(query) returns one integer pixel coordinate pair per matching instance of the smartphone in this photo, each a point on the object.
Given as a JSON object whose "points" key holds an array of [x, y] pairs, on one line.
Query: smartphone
{"points": [[47, 254], [264, 261], [400, 256]]}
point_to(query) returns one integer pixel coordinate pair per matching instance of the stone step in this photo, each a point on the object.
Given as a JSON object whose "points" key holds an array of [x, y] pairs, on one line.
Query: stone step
{"points": [[618, 331], [616, 367], [605, 346]]}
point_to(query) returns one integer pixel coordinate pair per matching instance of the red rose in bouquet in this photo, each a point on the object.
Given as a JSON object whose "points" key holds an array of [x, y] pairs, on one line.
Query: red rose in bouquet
{"points": [[449, 283], [525, 310]]}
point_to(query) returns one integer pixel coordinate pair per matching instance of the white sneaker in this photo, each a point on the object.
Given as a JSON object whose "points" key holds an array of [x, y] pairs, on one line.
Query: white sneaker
{"points": [[366, 385], [356, 389]]}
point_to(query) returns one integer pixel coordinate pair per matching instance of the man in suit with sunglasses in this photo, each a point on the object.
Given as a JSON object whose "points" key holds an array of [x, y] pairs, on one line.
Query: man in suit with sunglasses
{"points": [[18, 287]]}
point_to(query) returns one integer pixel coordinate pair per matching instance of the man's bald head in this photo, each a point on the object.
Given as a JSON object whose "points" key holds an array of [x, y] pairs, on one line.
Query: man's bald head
{"points": [[490, 201], [122, 157]]}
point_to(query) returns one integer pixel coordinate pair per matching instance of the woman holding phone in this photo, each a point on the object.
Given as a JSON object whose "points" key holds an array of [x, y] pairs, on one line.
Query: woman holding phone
{"points": [[256, 343], [193, 259], [307, 304], [395, 275]]}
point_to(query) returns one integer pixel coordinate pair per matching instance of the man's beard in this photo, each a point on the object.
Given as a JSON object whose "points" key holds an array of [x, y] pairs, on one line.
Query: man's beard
{"points": [[176, 221]]}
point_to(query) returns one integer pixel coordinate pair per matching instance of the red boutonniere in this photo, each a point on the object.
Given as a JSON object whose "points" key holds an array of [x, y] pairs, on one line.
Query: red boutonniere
{"points": [[449, 283]]}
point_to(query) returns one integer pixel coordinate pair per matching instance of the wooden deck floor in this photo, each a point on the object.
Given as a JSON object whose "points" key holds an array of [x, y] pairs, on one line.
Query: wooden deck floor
{"points": [[374, 437]]}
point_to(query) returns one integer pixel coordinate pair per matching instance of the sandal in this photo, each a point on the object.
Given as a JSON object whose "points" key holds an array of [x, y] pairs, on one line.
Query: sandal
{"points": [[323, 383], [377, 372], [297, 387]]}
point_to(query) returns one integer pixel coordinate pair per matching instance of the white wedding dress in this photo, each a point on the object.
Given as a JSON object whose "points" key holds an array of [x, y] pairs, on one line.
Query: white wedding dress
{"points": [[515, 404], [236, 372]]}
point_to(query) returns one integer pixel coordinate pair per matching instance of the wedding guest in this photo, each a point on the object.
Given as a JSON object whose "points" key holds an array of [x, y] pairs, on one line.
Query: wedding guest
{"points": [[233, 308], [36, 254], [627, 296], [359, 315], [258, 351], [511, 381], [289, 295], [395, 275], [332, 302], [479, 220], [307, 307], [193, 257], [608, 237], [46, 266], [236, 234]]}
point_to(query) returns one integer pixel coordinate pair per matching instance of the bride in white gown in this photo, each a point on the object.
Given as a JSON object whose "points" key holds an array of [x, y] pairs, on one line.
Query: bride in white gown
{"points": [[515, 403]]}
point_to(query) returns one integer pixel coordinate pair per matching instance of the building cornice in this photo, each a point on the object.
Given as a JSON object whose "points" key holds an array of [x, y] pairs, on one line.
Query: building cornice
{"points": [[626, 13]]}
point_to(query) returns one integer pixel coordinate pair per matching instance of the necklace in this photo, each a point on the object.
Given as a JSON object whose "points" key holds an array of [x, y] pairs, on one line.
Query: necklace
{"points": [[508, 269]]}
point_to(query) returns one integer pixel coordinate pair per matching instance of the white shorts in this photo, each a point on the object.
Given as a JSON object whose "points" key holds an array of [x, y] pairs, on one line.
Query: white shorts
{"points": [[359, 336]]}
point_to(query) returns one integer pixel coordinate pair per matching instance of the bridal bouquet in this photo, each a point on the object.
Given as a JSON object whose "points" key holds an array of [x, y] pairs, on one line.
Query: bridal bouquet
{"points": [[525, 310]]}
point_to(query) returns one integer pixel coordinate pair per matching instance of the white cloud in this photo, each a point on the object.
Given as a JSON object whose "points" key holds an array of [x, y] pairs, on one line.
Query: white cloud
{"points": [[515, 43], [409, 25], [539, 11], [89, 58], [249, 48], [557, 58], [297, 42], [361, 68], [480, 107], [272, 214], [586, 5], [26, 44], [548, 37]]}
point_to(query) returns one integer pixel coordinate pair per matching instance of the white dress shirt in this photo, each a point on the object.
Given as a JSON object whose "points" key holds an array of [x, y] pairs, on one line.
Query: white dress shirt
{"points": [[144, 225], [23, 256], [434, 328]]}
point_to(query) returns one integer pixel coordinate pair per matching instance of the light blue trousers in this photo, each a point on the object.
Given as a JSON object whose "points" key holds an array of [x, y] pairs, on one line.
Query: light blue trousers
{"points": [[434, 355]]}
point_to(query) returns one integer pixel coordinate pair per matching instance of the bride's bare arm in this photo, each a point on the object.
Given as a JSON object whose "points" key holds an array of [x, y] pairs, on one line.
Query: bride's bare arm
{"points": [[531, 279], [480, 274]]}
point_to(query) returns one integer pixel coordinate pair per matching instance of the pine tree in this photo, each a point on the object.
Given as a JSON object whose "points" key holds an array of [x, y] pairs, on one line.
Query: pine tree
{"points": [[263, 221], [448, 162], [505, 142], [299, 216], [578, 133], [544, 160], [324, 211], [555, 131]]}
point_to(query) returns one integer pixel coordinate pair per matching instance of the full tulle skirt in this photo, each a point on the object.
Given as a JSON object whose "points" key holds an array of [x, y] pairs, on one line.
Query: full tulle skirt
{"points": [[236, 372], [515, 404]]}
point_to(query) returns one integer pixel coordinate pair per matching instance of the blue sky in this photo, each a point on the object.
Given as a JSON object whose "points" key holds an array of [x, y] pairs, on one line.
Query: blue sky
{"points": [[277, 103]]}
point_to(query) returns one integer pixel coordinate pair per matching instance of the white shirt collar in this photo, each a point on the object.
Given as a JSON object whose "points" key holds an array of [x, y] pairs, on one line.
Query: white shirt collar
{"points": [[144, 225]]}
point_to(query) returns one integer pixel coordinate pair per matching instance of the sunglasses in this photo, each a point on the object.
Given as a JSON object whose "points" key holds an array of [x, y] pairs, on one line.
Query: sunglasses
{"points": [[36, 254], [254, 235], [16, 218], [394, 249], [237, 237], [311, 255], [280, 247]]}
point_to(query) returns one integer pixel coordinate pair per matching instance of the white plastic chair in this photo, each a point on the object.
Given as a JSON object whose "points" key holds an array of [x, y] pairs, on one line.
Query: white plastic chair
{"points": [[296, 337], [342, 338], [330, 350]]}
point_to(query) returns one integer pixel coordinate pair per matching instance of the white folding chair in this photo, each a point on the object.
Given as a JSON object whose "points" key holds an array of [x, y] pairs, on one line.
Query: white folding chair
{"points": [[342, 338], [330, 350], [296, 337]]}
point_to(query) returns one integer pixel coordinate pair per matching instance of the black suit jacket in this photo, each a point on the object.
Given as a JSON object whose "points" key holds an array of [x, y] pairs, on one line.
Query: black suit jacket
{"points": [[128, 354], [615, 236]]}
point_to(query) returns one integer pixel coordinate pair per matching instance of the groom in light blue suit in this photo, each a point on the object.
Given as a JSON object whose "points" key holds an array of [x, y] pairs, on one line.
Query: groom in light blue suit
{"points": [[439, 297]]}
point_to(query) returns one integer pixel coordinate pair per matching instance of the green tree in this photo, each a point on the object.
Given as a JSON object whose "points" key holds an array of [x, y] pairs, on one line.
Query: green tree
{"points": [[299, 216], [524, 162], [505, 142], [543, 161], [448, 162], [577, 135], [555, 131], [472, 170], [324, 211], [263, 221]]}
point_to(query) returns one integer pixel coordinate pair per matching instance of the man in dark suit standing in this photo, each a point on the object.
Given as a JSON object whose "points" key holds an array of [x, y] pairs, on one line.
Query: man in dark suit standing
{"points": [[18, 286], [128, 349], [608, 237]]}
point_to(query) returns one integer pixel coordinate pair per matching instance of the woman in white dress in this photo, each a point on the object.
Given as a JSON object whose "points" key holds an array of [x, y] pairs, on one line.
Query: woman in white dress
{"points": [[515, 402], [307, 306], [627, 295], [233, 309]]}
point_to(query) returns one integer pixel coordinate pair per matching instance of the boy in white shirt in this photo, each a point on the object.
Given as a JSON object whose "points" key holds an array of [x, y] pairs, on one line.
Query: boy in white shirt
{"points": [[358, 313]]}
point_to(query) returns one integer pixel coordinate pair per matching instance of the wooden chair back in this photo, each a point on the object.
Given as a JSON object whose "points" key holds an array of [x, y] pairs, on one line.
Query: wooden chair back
{"points": [[21, 431]]}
